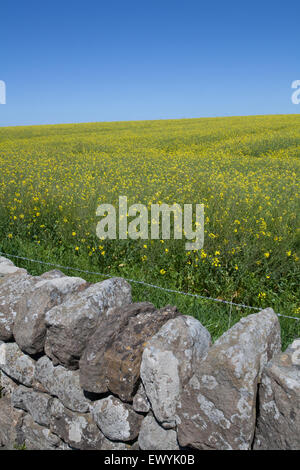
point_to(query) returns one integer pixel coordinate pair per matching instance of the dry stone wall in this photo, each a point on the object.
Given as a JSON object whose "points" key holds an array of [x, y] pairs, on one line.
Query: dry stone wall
{"points": [[82, 367]]}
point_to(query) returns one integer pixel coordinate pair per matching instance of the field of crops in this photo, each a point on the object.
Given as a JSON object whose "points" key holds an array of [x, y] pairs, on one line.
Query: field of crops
{"points": [[245, 170]]}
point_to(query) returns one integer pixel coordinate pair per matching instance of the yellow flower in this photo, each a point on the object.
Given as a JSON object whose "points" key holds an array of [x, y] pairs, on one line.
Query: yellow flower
{"points": [[216, 262], [262, 295], [162, 272]]}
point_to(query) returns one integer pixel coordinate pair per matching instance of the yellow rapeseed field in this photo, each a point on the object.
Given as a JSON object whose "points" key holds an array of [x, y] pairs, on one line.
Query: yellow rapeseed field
{"points": [[245, 170]]}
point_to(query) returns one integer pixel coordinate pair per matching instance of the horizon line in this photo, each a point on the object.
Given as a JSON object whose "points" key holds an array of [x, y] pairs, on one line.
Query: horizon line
{"points": [[147, 120]]}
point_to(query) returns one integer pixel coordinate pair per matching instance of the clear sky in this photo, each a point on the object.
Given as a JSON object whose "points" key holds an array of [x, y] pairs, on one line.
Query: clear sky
{"points": [[70, 61]]}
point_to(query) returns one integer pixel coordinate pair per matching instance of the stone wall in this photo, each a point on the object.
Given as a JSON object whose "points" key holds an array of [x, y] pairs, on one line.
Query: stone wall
{"points": [[82, 367]]}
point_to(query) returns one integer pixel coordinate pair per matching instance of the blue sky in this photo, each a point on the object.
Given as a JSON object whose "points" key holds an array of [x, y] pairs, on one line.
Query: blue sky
{"points": [[71, 61]]}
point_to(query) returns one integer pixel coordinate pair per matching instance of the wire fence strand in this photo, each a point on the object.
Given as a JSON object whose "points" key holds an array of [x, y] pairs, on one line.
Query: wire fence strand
{"points": [[147, 284]]}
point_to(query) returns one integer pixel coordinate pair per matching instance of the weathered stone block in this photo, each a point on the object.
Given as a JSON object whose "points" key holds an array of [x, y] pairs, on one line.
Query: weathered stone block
{"points": [[77, 429], [117, 420], [37, 404], [61, 383], [278, 424], [29, 326], [152, 436], [140, 402], [218, 406], [71, 324], [12, 288], [10, 424], [16, 364], [6, 261], [7, 269], [112, 358], [36, 437], [7, 385], [169, 360]]}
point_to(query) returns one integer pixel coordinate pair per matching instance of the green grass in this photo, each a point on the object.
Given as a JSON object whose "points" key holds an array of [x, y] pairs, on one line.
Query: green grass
{"points": [[245, 170], [216, 317]]}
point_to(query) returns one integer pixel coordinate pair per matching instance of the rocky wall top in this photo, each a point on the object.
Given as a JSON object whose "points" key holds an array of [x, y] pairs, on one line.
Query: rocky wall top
{"points": [[82, 367]]}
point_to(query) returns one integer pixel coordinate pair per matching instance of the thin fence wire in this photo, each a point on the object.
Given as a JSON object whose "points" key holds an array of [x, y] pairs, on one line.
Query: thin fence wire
{"points": [[147, 284]]}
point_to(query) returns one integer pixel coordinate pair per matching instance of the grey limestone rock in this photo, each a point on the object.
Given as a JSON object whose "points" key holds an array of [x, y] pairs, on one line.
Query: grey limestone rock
{"points": [[218, 405], [70, 324]]}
